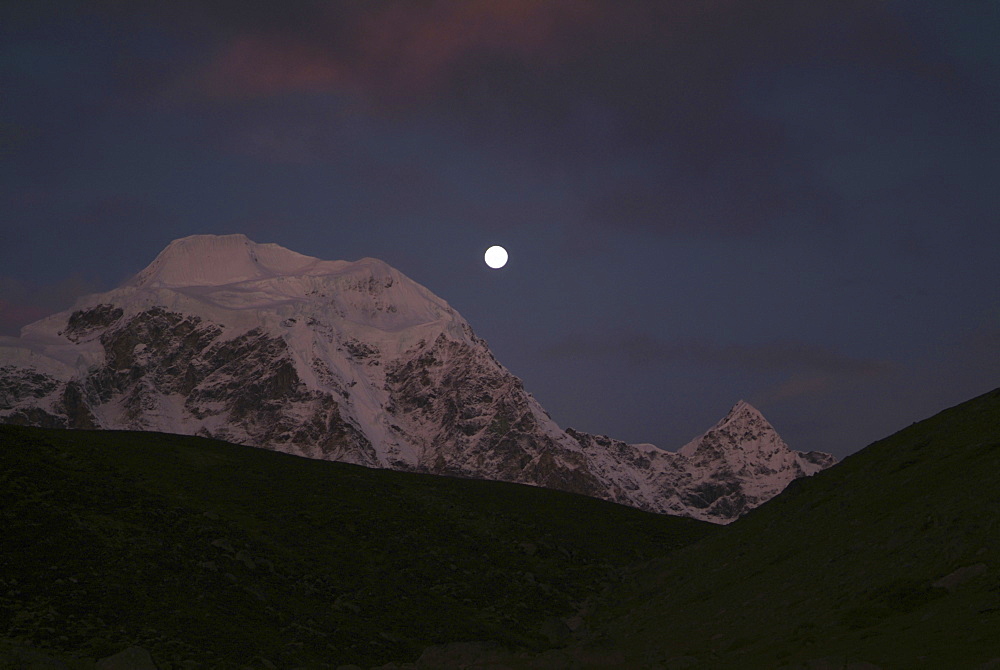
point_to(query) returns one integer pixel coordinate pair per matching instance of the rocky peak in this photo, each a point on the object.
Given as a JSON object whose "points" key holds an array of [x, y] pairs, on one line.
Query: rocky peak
{"points": [[742, 411], [743, 428], [740, 463]]}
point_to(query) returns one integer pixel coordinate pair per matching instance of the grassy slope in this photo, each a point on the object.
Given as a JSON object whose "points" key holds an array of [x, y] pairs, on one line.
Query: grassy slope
{"points": [[841, 565], [202, 550]]}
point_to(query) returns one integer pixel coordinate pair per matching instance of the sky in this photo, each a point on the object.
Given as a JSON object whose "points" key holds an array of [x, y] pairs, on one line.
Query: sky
{"points": [[791, 203]]}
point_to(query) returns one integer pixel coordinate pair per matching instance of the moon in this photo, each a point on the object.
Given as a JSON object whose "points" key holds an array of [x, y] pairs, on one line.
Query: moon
{"points": [[496, 257]]}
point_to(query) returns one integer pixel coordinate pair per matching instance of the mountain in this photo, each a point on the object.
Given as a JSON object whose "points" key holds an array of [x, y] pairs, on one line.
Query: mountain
{"points": [[742, 462], [890, 559], [736, 465], [348, 361]]}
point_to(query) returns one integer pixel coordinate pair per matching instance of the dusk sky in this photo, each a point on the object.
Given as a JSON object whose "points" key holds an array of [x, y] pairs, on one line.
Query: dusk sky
{"points": [[794, 203]]}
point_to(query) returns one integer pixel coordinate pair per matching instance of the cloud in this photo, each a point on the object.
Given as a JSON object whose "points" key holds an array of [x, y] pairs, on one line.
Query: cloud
{"points": [[640, 349], [737, 201], [25, 302], [252, 66], [652, 111], [388, 52], [13, 316], [683, 56], [799, 385]]}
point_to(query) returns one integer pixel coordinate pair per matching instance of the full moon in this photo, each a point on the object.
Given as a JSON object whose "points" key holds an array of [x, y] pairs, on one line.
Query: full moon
{"points": [[496, 257]]}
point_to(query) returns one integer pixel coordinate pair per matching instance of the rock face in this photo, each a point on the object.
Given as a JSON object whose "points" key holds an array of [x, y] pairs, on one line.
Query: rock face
{"points": [[259, 345], [741, 463]]}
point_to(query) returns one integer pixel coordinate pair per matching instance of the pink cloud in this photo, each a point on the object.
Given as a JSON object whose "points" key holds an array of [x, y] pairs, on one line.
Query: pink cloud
{"points": [[403, 52], [415, 50], [26, 302], [397, 52], [13, 316], [252, 66]]}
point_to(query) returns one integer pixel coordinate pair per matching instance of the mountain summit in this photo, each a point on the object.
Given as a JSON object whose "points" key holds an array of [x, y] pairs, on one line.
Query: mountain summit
{"points": [[214, 260], [743, 447], [350, 361]]}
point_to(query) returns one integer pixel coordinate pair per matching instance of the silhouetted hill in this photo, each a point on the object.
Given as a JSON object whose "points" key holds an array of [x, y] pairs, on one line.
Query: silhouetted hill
{"points": [[214, 554], [210, 554], [891, 557]]}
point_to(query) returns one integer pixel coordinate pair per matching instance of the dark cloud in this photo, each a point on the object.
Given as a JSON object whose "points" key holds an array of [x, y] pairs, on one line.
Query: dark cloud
{"points": [[643, 105], [734, 200], [394, 53], [682, 56], [250, 66], [15, 315], [798, 386], [24, 302], [640, 349], [667, 117]]}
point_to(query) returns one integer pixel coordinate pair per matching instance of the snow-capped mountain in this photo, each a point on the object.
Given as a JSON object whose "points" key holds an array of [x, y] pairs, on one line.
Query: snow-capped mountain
{"points": [[349, 361], [741, 463]]}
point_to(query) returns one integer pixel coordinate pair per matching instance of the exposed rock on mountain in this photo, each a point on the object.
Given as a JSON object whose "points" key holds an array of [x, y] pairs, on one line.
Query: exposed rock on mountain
{"points": [[741, 463], [354, 362]]}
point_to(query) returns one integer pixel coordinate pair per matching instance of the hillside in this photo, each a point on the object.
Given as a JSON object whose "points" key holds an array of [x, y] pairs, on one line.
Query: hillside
{"points": [[890, 558], [221, 555], [210, 554]]}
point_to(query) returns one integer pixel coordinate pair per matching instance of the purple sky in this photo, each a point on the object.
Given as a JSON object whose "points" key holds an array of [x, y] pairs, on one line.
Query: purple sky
{"points": [[793, 203]]}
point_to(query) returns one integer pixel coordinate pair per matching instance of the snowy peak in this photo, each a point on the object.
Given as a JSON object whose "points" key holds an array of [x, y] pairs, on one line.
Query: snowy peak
{"points": [[742, 410], [744, 449], [743, 414], [217, 260], [743, 427], [231, 280]]}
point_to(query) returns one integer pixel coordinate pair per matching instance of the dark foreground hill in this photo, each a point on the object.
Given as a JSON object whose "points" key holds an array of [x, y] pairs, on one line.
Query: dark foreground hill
{"points": [[891, 558], [211, 554], [208, 554]]}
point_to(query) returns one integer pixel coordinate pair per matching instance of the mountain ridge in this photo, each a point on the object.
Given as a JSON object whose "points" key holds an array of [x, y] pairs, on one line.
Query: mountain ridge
{"points": [[353, 361]]}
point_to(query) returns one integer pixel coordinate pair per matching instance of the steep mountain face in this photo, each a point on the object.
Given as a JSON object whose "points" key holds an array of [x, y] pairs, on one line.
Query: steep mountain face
{"points": [[353, 362], [741, 463]]}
